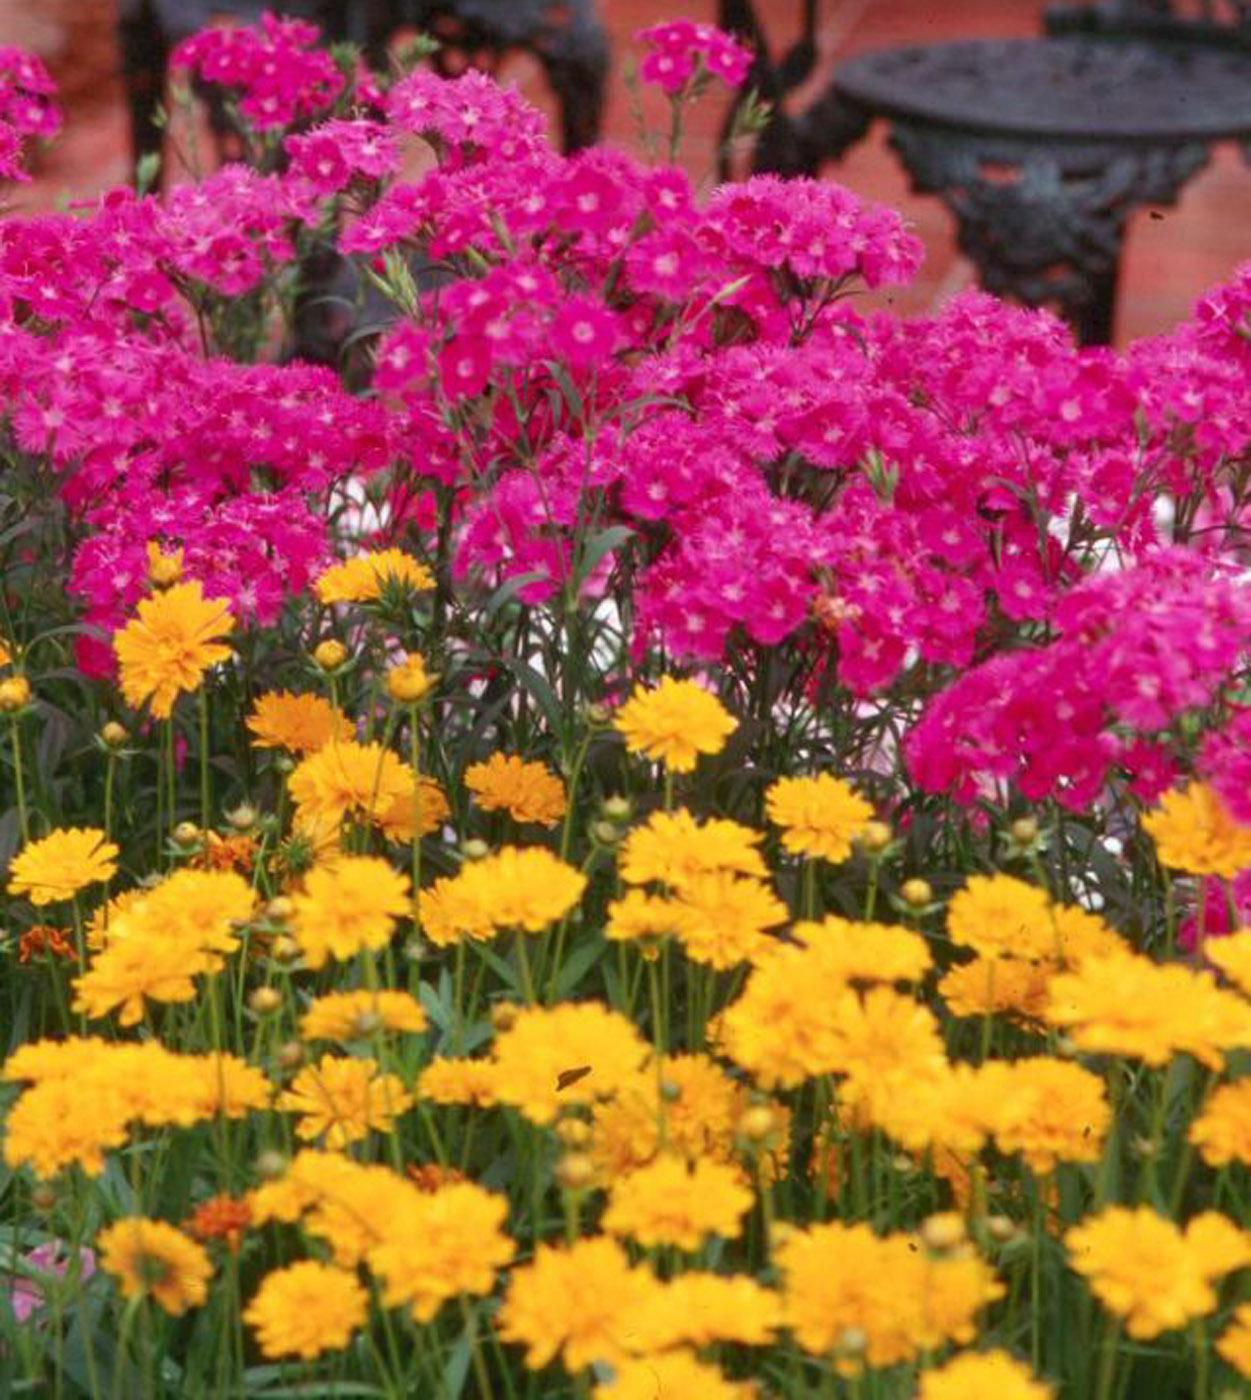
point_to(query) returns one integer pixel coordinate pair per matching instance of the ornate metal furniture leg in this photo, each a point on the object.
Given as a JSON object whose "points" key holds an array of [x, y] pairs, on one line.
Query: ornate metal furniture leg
{"points": [[1045, 223]]}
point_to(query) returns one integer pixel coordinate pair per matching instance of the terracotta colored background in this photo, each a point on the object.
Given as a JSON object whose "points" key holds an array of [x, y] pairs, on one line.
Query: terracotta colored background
{"points": [[1171, 258]]}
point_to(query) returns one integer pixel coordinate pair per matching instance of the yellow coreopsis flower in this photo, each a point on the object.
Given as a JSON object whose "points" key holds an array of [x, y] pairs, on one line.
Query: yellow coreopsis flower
{"points": [[999, 916], [998, 986], [522, 888], [890, 1292], [673, 1373], [165, 650], [576, 1303], [721, 920], [674, 723], [343, 1099], [62, 863], [699, 1309], [673, 1202], [553, 1057], [1144, 1269], [672, 848], [1234, 1344], [307, 1309], [528, 792], [348, 906], [691, 1108], [1232, 955], [300, 723], [442, 1244], [358, 1015], [365, 783], [151, 1259], [1193, 831], [1050, 1111], [364, 579], [1129, 1005], [819, 816], [1222, 1130], [986, 1375]]}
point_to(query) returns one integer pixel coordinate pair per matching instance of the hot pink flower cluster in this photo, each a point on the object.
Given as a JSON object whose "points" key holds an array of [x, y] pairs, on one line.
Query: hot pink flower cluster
{"points": [[26, 107], [278, 74], [681, 49]]}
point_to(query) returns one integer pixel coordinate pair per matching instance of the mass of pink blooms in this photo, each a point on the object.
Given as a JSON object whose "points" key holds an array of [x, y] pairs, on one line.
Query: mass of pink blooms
{"points": [[1033, 554]]}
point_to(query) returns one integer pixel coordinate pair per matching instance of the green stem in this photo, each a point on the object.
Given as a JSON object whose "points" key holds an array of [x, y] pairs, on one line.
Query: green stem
{"points": [[205, 805], [19, 779]]}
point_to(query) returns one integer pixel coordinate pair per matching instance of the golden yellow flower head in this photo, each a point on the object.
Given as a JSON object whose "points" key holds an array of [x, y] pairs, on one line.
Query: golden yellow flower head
{"points": [[526, 888], [151, 1259], [1234, 1344], [672, 848], [820, 816], [672, 1202], [165, 650], [1144, 1269], [984, 1375], [528, 792], [1222, 1130], [576, 1303], [674, 723], [408, 681], [887, 1292], [1050, 1111], [671, 1373], [299, 723], [346, 1016], [1126, 1004], [365, 578], [164, 570], [1232, 954], [343, 1100], [442, 1244], [348, 906], [552, 1058], [368, 784], [62, 863], [307, 1309], [1193, 831]]}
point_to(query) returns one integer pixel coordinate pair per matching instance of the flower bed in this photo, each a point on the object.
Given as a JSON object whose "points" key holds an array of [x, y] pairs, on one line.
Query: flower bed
{"points": [[656, 834]]}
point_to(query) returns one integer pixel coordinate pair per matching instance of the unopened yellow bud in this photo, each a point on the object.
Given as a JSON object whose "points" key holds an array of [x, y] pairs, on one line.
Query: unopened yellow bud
{"points": [[330, 655], [286, 949], [573, 1132], [113, 735], [757, 1123], [291, 1055], [186, 834], [874, 838], [243, 818], [264, 1001], [280, 908], [504, 1015], [271, 1165], [14, 694], [164, 570], [1024, 831], [575, 1171], [917, 893], [409, 682], [944, 1231]]}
